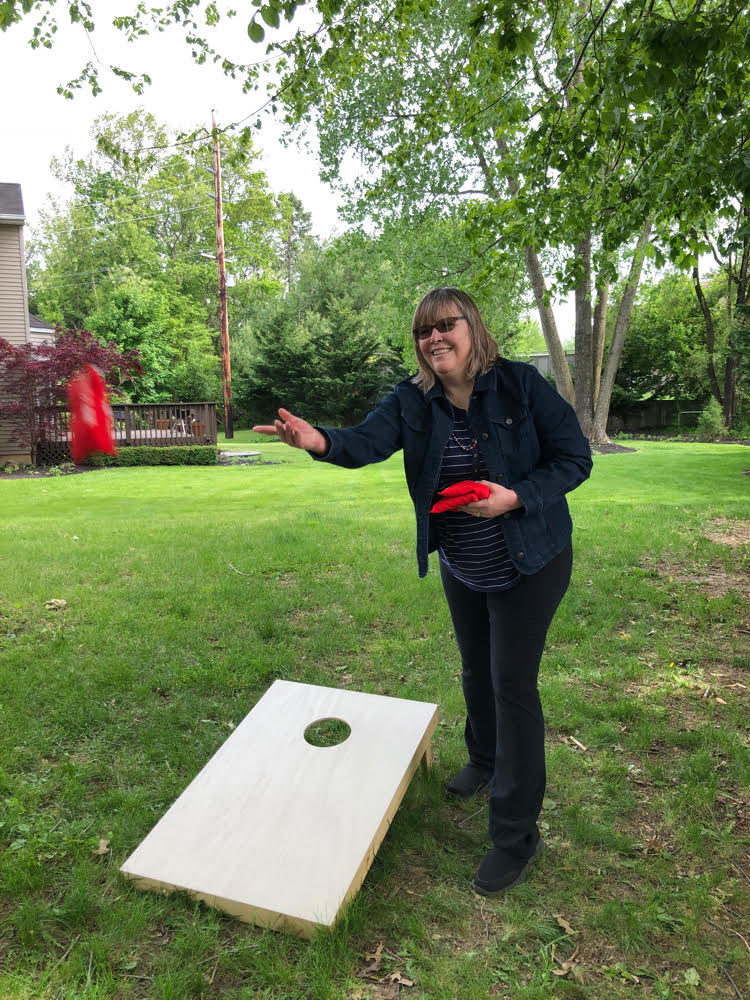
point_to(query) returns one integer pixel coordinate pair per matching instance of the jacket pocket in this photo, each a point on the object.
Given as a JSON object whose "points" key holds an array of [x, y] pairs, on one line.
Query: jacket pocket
{"points": [[516, 434]]}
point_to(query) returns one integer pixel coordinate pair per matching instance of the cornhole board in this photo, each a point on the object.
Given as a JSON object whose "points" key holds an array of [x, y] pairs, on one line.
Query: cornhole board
{"points": [[281, 833]]}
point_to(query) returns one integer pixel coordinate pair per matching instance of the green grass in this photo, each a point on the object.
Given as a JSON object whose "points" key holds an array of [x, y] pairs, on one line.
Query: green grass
{"points": [[110, 706], [243, 439]]}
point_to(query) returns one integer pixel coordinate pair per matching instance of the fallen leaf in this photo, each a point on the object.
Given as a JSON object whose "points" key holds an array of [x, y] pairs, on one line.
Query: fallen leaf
{"points": [[720, 700], [396, 977], [562, 922], [103, 847], [568, 965], [56, 604], [578, 743], [375, 960]]}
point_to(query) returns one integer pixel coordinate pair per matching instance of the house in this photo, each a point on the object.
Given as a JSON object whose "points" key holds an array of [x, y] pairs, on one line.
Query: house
{"points": [[17, 325], [14, 309], [40, 331]]}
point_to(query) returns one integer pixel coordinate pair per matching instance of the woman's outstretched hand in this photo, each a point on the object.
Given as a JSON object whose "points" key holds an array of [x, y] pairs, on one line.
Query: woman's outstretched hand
{"points": [[296, 432]]}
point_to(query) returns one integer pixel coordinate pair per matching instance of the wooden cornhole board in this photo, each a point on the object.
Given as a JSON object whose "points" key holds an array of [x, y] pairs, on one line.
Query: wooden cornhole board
{"points": [[281, 833]]}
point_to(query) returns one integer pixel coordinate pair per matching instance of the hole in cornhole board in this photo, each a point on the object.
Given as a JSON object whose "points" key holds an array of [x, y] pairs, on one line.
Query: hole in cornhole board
{"points": [[327, 732], [281, 833]]}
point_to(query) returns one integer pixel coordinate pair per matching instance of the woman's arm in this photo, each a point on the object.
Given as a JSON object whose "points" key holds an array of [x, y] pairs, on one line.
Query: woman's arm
{"points": [[297, 433], [374, 440]]}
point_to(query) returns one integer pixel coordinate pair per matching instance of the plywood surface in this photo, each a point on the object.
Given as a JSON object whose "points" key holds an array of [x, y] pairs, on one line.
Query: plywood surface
{"points": [[282, 833]]}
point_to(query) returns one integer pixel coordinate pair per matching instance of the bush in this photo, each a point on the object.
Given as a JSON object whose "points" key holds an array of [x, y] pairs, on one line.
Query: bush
{"points": [[711, 422], [176, 455]]}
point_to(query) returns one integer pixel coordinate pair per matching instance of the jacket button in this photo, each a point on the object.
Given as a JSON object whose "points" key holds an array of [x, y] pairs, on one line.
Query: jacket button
{"points": [[499, 476], [509, 420], [485, 436], [519, 555]]}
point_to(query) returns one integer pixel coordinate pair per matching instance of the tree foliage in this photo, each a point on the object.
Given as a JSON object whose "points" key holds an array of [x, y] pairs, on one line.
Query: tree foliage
{"points": [[35, 378], [570, 132], [322, 349], [131, 254], [665, 354]]}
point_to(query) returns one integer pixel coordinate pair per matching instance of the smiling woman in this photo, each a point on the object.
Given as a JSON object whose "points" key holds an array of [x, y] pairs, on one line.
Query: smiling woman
{"points": [[505, 561]]}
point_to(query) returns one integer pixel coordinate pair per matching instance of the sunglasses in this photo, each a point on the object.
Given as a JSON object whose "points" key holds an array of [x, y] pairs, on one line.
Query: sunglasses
{"points": [[441, 325]]}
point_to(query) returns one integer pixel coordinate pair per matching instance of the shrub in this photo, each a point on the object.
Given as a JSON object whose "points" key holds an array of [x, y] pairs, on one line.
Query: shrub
{"points": [[202, 454], [711, 422]]}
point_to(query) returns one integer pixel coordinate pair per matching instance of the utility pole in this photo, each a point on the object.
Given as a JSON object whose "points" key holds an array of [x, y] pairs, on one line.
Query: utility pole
{"points": [[226, 371]]}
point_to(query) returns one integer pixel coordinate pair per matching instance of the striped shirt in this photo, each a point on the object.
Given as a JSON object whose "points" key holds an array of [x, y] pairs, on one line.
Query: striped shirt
{"points": [[472, 549]]}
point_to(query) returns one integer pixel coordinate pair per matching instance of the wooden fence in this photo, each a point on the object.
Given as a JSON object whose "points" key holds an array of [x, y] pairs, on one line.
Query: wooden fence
{"points": [[155, 425]]}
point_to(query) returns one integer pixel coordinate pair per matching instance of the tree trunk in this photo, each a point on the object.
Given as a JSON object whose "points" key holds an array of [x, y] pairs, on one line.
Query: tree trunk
{"points": [[600, 326], [584, 386], [710, 337], [559, 362], [622, 322]]}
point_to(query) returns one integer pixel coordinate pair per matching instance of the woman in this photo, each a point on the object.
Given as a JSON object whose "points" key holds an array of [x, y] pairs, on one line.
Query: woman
{"points": [[505, 560]]}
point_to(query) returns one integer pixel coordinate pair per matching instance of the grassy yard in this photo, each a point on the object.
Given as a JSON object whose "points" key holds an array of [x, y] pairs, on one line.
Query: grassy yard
{"points": [[189, 590]]}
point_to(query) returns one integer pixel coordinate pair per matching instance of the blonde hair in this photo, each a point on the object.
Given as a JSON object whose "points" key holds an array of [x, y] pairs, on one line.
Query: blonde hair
{"points": [[484, 350]]}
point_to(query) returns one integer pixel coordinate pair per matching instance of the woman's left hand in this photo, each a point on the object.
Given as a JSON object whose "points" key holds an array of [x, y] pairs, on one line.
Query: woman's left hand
{"points": [[500, 501]]}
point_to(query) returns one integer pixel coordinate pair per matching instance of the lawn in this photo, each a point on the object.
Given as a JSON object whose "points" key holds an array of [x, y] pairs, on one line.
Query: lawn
{"points": [[189, 590]]}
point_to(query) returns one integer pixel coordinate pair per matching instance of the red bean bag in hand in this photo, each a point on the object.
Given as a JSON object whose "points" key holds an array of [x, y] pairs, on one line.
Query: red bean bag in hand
{"points": [[91, 424], [458, 494]]}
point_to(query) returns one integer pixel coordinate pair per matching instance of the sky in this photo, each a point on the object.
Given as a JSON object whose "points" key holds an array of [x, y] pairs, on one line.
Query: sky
{"points": [[37, 123]]}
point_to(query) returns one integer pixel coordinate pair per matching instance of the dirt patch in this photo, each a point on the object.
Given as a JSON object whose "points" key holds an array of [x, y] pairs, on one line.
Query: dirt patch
{"points": [[611, 448], [733, 533], [715, 580], [226, 459], [45, 471]]}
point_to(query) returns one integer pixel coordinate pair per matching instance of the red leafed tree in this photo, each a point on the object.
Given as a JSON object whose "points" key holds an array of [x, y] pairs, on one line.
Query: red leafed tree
{"points": [[33, 379]]}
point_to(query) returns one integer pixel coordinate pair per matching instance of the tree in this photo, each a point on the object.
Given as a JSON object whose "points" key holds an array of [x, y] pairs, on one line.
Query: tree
{"points": [[665, 356], [128, 255], [35, 379], [294, 233], [730, 245], [322, 349], [569, 132]]}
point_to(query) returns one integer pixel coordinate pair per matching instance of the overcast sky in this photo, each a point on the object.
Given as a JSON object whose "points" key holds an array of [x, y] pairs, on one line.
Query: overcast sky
{"points": [[37, 123]]}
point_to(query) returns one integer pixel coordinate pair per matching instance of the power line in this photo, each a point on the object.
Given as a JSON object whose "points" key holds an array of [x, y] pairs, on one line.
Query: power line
{"points": [[140, 218]]}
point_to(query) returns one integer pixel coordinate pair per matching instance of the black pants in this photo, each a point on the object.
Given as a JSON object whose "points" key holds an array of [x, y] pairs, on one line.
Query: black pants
{"points": [[501, 639]]}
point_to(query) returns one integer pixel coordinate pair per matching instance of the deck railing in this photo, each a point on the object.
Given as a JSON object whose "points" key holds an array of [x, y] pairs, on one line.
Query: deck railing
{"points": [[155, 425]]}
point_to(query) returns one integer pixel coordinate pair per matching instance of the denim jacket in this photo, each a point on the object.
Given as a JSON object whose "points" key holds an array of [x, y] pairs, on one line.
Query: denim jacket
{"points": [[529, 438]]}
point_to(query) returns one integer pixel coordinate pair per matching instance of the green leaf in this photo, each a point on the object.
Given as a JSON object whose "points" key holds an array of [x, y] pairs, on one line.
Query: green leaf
{"points": [[271, 16], [256, 31]]}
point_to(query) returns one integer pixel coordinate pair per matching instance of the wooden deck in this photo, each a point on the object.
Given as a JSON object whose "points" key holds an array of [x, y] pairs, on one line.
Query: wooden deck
{"points": [[155, 425]]}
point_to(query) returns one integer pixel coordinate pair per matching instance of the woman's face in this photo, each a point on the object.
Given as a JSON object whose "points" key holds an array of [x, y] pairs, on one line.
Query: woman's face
{"points": [[448, 353]]}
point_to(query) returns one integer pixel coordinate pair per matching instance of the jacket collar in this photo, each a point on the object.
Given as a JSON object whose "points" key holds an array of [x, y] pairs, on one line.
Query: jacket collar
{"points": [[484, 382]]}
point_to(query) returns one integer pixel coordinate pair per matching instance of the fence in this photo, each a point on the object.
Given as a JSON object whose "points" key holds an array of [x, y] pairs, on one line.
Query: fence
{"points": [[155, 425]]}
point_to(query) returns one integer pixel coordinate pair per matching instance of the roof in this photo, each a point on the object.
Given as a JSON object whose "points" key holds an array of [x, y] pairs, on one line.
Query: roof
{"points": [[11, 203], [39, 324]]}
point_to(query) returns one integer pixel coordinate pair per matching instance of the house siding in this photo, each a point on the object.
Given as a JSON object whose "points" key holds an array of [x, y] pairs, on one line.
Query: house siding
{"points": [[14, 314]]}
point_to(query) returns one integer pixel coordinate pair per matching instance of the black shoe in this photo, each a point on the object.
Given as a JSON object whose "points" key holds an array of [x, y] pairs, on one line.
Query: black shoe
{"points": [[468, 782], [493, 876]]}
